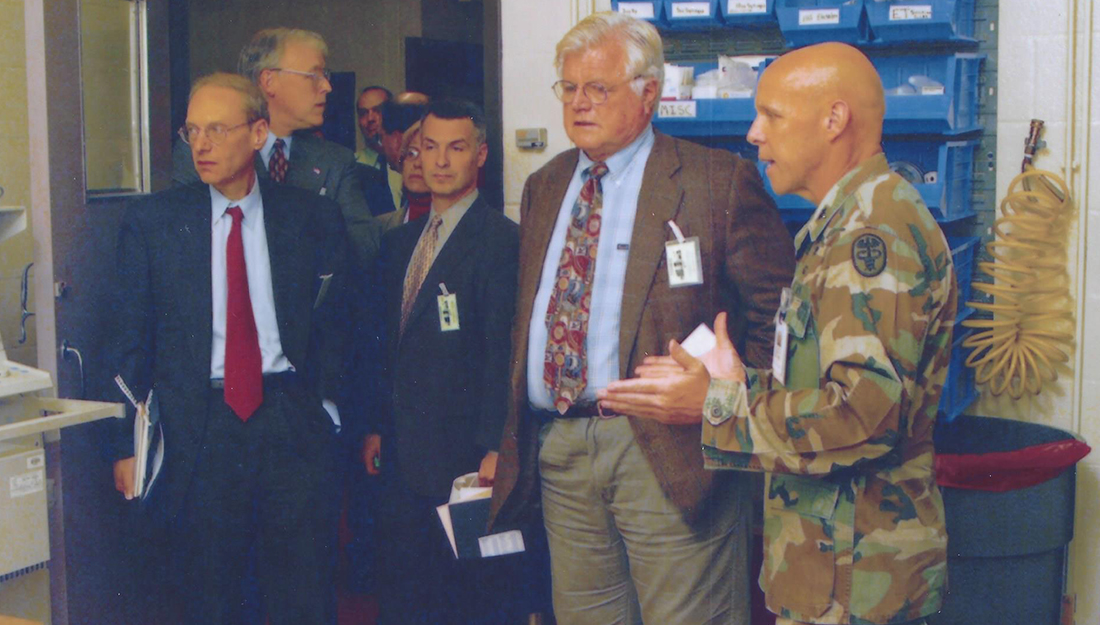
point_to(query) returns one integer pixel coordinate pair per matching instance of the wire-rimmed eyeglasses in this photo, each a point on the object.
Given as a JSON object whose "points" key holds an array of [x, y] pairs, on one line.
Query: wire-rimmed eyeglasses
{"points": [[216, 133], [316, 77], [596, 93]]}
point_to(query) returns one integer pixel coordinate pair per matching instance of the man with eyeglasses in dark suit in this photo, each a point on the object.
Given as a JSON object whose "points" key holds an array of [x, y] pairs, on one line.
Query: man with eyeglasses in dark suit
{"points": [[231, 309], [288, 65]]}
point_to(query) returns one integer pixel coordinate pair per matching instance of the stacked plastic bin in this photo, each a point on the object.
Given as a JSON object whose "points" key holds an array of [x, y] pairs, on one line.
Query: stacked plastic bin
{"points": [[924, 53]]}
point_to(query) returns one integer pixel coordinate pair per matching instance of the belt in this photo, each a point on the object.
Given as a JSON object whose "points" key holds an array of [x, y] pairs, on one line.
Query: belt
{"points": [[576, 411], [272, 381]]}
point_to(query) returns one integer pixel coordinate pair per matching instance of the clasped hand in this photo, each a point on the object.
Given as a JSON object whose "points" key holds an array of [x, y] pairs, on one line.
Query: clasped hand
{"points": [[672, 389]]}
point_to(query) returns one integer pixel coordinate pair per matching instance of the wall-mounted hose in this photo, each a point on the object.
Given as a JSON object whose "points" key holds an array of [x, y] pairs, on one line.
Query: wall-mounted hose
{"points": [[1030, 332]]}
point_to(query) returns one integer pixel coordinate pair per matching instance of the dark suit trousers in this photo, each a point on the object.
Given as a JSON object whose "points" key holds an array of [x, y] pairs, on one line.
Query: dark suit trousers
{"points": [[267, 485]]}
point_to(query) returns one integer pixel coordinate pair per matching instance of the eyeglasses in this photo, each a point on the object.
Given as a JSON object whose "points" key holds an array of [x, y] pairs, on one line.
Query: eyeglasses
{"points": [[316, 77], [595, 92], [412, 153], [216, 133]]}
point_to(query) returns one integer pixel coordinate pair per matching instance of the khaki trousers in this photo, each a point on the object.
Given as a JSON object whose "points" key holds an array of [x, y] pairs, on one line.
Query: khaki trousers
{"points": [[620, 551]]}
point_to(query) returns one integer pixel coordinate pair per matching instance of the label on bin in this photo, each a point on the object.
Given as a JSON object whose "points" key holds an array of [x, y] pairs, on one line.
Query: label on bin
{"points": [[932, 90], [690, 9], [911, 12], [817, 17], [641, 10], [26, 483], [684, 108], [743, 7]]}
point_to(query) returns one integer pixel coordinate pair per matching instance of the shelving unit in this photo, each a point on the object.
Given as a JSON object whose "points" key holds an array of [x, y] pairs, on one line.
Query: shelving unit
{"points": [[937, 60]]}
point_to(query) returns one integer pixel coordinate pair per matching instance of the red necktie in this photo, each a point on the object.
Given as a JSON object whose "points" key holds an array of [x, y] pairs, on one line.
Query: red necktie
{"points": [[277, 164], [244, 389], [565, 365]]}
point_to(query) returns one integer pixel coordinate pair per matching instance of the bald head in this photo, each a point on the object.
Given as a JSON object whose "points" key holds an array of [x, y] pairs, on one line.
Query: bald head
{"points": [[819, 114], [831, 72]]}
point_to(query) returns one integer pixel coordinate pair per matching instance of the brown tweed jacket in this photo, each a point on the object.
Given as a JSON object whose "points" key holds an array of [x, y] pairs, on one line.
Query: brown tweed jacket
{"points": [[748, 258]]}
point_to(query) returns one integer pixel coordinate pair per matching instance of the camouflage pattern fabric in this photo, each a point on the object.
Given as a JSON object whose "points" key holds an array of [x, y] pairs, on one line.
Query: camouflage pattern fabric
{"points": [[853, 521]]}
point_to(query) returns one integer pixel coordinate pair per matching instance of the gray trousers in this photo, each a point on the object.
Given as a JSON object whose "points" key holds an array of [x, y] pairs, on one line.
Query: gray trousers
{"points": [[620, 551]]}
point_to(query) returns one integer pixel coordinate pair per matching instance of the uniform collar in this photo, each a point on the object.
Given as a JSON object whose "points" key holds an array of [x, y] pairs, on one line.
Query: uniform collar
{"points": [[837, 197]]}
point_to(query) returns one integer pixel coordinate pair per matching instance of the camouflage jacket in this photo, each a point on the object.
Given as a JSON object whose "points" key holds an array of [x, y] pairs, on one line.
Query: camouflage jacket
{"points": [[853, 521]]}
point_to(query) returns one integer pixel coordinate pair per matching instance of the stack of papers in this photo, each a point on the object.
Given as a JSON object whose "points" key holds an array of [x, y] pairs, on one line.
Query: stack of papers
{"points": [[464, 518], [147, 431]]}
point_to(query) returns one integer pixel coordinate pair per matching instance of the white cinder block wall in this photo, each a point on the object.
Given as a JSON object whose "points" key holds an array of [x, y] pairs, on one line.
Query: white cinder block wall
{"points": [[1036, 79]]}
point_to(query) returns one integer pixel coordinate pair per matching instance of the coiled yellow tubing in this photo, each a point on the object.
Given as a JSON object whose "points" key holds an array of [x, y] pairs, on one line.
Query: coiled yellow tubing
{"points": [[1030, 333]]}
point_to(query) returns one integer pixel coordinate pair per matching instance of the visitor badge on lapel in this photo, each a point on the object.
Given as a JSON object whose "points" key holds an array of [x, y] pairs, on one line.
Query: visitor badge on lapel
{"points": [[683, 259], [779, 352], [448, 309]]}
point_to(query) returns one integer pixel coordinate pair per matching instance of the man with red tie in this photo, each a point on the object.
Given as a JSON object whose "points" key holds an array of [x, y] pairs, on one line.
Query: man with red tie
{"points": [[231, 308]]}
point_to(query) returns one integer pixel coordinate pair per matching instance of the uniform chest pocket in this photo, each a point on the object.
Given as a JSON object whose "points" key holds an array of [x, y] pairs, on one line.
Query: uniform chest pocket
{"points": [[799, 562]]}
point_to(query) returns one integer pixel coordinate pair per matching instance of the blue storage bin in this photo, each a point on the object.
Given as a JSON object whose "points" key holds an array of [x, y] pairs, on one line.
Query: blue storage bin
{"points": [[895, 21], [959, 390], [948, 170], [951, 110], [692, 14], [804, 22], [748, 13], [651, 11], [963, 253], [729, 117]]}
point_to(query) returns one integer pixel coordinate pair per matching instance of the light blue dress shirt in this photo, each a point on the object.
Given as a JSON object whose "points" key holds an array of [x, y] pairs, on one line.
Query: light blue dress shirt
{"points": [[269, 147], [621, 187]]}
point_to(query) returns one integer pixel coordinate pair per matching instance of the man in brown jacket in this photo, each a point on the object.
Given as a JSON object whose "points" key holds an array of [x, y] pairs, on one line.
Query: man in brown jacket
{"points": [[631, 240]]}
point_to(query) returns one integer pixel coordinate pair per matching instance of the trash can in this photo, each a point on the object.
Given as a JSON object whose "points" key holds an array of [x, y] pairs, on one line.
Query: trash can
{"points": [[1007, 549]]}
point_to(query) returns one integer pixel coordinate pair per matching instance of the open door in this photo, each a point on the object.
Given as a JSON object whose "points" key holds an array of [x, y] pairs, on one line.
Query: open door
{"points": [[78, 52]]}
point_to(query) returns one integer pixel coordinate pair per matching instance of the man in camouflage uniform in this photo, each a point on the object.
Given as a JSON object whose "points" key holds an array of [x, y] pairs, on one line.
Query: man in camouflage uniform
{"points": [[842, 423]]}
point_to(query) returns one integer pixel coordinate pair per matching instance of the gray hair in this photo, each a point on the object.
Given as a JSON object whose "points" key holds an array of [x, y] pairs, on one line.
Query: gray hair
{"points": [[645, 52], [255, 104], [265, 50]]}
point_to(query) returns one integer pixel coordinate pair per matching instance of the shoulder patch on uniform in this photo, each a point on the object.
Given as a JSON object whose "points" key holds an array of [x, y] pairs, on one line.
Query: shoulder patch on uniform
{"points": [[869, 255]]}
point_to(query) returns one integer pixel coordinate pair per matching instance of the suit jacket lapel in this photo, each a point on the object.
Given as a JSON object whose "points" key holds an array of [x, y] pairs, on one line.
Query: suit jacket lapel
{"points": [[304, 170], [193, 232], [658, 202], [282, 224], [464, 237]]}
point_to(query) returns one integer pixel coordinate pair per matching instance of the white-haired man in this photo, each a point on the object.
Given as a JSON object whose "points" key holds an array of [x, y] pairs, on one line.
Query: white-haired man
{"points": [[288, 65], [637, 529]]}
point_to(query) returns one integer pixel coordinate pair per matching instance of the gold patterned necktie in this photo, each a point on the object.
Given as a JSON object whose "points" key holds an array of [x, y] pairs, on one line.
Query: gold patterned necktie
{"points": [[419, 265], [565, 364], [277, 164]]}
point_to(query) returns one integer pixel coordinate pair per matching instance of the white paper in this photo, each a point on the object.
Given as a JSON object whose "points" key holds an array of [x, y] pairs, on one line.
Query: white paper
{"points": [[911, 12], [746, 7], [27, 483], [690, 9], [815, 17], [640, 10], [501, 544], [684, 108], [700, 341]]}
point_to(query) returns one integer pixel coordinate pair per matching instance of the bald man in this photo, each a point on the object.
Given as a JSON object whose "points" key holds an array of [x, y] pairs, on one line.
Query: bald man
{"points": [[842, 422]]}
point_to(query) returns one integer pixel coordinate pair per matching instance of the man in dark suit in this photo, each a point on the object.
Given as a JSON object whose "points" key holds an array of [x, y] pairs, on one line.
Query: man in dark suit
{"points": [[629, 241], [231, 309], [288, 65], [447, 282]]}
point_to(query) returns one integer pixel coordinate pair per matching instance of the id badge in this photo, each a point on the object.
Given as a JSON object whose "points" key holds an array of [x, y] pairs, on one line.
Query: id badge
{"points": [[448, 310], [779, 351], [683, 259]]}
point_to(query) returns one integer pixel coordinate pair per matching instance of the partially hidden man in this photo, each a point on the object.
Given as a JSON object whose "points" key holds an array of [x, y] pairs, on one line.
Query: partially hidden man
{"points": [[842, 421], [231, 308], [637, 529]]}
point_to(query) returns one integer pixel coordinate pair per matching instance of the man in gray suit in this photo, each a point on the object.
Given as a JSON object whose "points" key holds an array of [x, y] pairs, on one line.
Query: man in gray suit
{"points": [[288, 65]]}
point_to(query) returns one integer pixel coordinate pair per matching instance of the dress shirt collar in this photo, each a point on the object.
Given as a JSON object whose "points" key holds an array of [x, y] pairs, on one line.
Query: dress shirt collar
{"points": [[617, 162], [454, 214], [269, 146], [250, 204]]}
